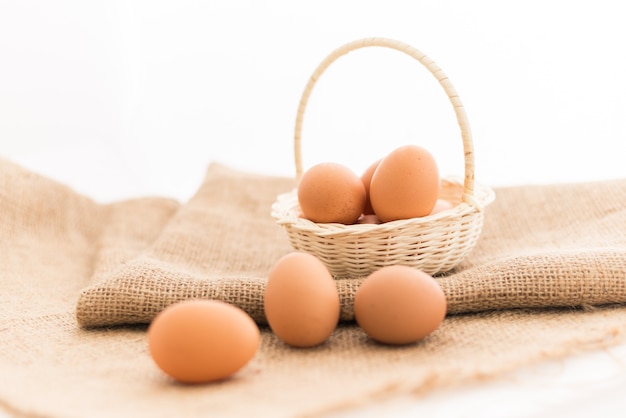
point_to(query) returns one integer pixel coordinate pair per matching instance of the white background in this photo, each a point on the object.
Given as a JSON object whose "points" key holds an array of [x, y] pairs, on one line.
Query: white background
{"points": [[144, 94], [129, 98]]}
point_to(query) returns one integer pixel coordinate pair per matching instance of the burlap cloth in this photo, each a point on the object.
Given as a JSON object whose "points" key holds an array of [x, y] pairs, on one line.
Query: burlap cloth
{"points": [[545, 280]]}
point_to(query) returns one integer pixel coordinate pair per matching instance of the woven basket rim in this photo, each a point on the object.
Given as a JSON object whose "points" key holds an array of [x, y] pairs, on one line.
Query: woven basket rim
{"points": [[286, 212]]}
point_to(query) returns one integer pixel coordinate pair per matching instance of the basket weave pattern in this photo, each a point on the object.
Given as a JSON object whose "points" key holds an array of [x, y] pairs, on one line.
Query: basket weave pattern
{"points": [[434, 244]]}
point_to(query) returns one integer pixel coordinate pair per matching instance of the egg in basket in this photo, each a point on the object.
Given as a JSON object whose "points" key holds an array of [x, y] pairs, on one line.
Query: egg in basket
{"points": [[398, 212]]}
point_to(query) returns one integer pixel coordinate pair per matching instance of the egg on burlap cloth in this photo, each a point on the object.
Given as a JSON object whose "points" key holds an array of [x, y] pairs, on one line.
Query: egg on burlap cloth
{"points": [[81, 280]]}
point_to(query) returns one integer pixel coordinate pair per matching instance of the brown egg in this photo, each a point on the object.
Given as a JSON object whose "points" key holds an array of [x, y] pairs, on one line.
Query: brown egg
{"points": [[399, 305], [331, 192], [366, 178], [368, 219], [405, 184], [440, 206], [198, 341], [301, 300]]}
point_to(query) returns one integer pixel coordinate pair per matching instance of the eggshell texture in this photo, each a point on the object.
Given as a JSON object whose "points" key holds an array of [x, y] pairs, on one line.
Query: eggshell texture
{"points": [[368, 219], [399, 305], [440, 206], [301, 301], [198, 341], [405, 185], [331, 192], [366, 178]]}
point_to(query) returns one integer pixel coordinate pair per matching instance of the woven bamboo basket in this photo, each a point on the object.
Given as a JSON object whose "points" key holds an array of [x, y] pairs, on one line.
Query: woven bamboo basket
{"points": [[435, 243]]}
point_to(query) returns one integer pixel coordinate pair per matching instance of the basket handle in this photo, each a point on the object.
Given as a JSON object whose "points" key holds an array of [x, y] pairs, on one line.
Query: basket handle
{"points": [[449, 89]]}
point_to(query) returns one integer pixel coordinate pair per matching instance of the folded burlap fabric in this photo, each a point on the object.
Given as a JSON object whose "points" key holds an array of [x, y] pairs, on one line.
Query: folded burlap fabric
{"points": [[546, 279], [542, 246]]}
